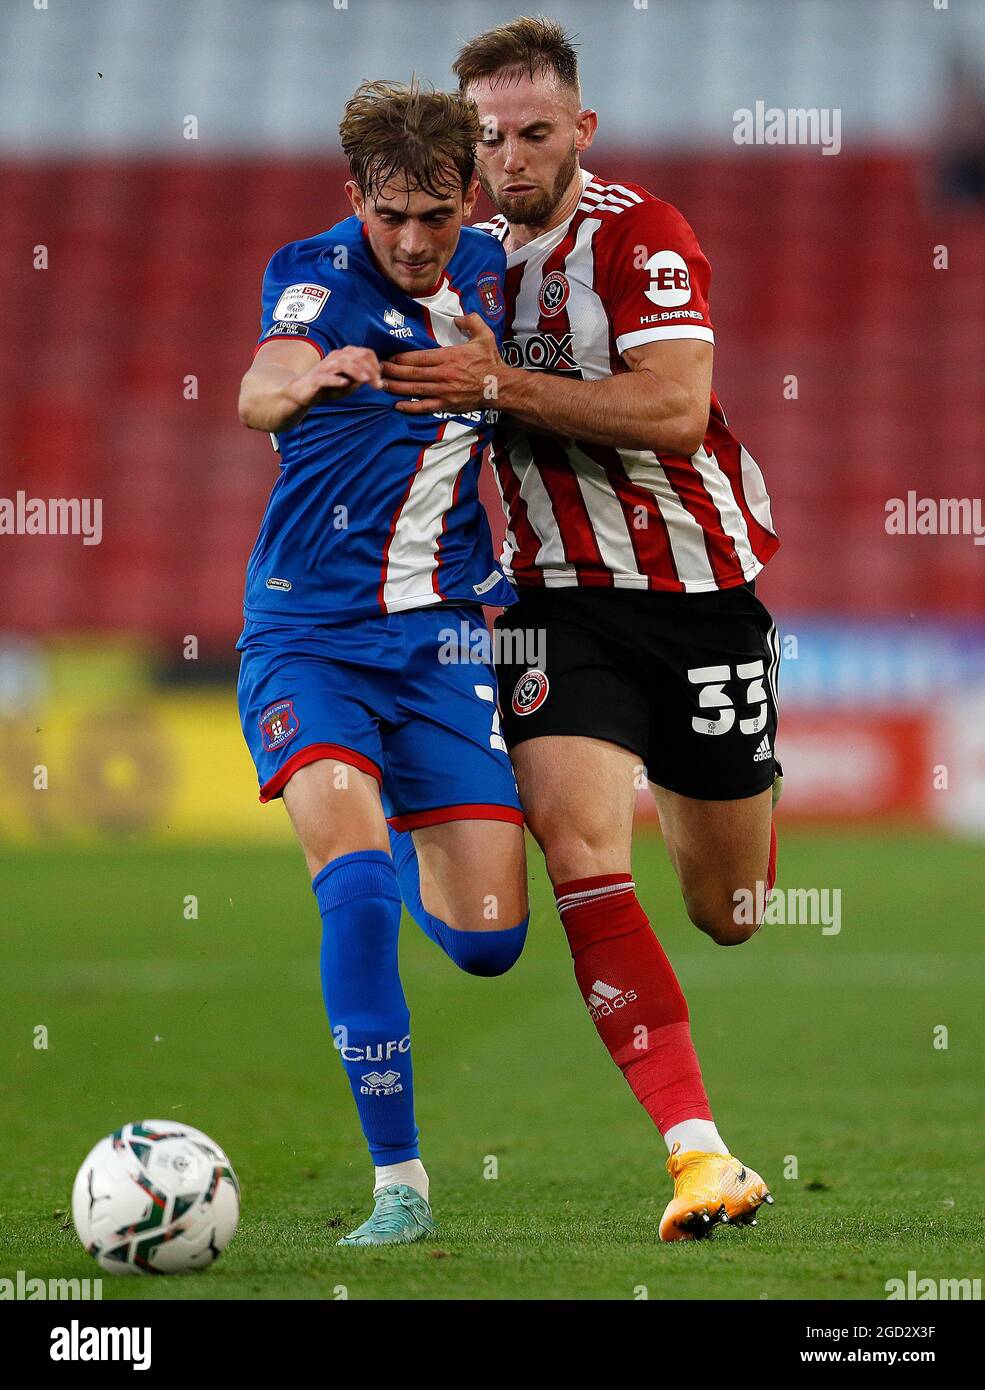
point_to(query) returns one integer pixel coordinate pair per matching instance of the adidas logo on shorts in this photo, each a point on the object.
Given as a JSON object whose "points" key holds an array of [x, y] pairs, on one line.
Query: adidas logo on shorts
{"points": [[764, 750]]}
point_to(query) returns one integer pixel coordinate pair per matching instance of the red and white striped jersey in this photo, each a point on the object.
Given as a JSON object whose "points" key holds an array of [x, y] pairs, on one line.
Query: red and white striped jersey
{"points": [[625, 269]]}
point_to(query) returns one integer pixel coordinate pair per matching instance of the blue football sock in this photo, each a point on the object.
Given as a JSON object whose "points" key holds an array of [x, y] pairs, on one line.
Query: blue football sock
{"points": [[477, 952], [360, 907]]}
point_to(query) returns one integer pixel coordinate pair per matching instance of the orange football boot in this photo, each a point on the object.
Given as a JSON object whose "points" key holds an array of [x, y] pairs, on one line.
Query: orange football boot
{"points": [[710, 1190]]}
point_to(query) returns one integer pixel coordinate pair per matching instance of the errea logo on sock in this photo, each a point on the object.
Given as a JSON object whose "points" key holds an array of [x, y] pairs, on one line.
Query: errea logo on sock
{"points": [[376, 1083], [604, 999]]}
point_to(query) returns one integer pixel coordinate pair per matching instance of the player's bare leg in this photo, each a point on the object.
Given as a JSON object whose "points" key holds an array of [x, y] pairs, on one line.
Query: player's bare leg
{"points": [[338, 818], [473, 873], [335, 809], [579, 797], [465, 884], [720, 851]]}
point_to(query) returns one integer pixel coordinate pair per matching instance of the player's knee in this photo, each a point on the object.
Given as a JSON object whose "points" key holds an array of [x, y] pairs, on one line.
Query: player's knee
{"points": [[484, 953], [721, 918], [577, 852]]}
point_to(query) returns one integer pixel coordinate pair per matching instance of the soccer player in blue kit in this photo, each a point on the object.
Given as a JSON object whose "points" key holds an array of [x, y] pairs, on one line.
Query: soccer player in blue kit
{"points": [[373, 548]]}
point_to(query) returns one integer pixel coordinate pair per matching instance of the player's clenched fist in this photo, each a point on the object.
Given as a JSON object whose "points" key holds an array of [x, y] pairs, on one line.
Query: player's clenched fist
{"points": [[282, 384], [336, 375]]}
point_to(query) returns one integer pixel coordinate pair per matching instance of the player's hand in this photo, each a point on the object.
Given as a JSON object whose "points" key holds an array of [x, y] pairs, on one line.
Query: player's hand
{"points": [[338, 374], [458, 379]]}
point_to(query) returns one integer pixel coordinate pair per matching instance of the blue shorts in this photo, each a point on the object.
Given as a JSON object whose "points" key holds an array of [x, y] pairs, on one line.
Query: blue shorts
{"points": [[409, 698]]}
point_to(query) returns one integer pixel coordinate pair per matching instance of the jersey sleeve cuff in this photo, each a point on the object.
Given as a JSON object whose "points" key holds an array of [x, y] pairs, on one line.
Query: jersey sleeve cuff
{"points": [[290, 338], [657, 335]]}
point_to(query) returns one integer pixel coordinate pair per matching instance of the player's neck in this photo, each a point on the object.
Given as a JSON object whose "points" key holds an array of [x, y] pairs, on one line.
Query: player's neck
{"points": [[520, 233]]}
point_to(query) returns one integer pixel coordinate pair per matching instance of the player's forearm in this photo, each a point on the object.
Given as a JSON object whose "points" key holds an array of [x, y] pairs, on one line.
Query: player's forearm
{"points": [[263, 402], [633, 410]]}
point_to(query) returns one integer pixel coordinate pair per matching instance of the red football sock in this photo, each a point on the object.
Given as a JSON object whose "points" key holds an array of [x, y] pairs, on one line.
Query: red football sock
{"points": [[633, 996], [771, 867]]}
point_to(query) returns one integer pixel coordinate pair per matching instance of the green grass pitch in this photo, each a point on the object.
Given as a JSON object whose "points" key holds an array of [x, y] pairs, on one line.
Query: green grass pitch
{"points": [[817, 1049]]}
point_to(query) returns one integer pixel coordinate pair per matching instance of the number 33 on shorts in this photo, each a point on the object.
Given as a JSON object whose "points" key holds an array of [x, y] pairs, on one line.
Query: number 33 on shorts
{"points": [[719, 711]]}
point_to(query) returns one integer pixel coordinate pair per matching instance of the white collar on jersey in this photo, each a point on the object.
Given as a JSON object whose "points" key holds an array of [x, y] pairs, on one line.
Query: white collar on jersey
{"points": [[549, 239]]}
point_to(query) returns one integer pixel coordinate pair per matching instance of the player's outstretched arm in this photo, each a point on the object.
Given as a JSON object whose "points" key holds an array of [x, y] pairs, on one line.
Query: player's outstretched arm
{"points": [[661, 403], [284, 382]]}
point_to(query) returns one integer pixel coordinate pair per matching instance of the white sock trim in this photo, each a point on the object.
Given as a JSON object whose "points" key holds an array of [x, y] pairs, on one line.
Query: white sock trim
{"points": [[411, 1172], [586, 895], [698, 1135]]}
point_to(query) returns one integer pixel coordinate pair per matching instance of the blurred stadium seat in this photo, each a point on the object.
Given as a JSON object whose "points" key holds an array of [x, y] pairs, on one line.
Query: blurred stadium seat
{"points": [[822, 271]]}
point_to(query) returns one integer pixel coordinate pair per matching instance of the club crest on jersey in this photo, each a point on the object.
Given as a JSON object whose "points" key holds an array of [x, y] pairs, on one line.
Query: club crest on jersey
{"points": [[278, 725], [530, 693], [554, 293], [491, 294], [301, 303]]}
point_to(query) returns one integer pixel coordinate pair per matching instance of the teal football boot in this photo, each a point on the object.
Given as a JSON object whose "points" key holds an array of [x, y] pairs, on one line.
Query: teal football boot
{"points": [[399, 1216]]}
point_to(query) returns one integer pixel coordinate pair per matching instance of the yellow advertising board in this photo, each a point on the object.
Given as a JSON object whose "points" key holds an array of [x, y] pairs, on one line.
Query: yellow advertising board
{"points": [[158, 766]]}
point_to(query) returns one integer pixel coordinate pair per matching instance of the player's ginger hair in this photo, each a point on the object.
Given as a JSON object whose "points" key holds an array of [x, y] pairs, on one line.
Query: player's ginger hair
{"points": [[390, 128], [530, 45]]}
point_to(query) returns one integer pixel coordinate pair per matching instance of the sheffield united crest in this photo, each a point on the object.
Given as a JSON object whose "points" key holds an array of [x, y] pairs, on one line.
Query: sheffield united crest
{"points": [[554, 293]]}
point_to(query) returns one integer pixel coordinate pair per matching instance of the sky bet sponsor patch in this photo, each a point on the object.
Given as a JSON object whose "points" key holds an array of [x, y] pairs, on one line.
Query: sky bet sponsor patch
{"points": [[301, 303]]}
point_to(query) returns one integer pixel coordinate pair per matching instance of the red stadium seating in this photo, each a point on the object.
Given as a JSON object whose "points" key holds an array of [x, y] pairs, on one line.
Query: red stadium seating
{"points": [[822, 271]]}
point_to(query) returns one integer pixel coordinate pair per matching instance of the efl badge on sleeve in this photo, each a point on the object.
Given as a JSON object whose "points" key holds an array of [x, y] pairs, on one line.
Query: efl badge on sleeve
{"points": [[301, 303], [491, 294], [278, 725]]}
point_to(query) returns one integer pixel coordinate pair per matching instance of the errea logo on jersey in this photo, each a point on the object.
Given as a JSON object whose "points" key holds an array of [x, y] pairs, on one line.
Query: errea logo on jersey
{"points": [[670, 283], [394, 321], [301, 303]]}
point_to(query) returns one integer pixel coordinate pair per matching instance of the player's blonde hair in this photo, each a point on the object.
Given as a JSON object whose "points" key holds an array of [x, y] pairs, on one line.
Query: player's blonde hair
{"points": [[391, 128], [530, 45]]}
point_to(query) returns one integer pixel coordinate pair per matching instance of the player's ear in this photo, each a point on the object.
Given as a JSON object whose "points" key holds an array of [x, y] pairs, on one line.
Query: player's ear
{"points": [[469, 196], [585, 127], [356, 199]]}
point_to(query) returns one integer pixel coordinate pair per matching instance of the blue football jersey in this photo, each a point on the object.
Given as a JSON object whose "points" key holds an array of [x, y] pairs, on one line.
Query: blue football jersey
{"points": [[374, 511]]}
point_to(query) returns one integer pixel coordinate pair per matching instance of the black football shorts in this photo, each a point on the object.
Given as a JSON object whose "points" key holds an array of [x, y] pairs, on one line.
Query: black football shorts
{"points": [[685, 681]]}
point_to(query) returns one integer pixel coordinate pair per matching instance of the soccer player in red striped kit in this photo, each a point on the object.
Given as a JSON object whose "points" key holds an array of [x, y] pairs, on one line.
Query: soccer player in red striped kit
{"points": [[636, 525]]}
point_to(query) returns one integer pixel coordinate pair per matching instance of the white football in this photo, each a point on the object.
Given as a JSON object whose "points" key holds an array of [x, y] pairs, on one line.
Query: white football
{"points": [[156, 1197]]}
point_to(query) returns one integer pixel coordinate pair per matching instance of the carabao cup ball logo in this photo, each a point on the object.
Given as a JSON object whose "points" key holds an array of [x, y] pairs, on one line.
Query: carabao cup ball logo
{"points": [[530, 693], [554, 293]]}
